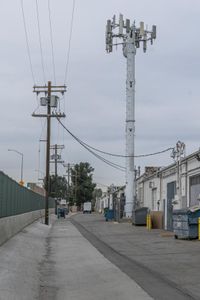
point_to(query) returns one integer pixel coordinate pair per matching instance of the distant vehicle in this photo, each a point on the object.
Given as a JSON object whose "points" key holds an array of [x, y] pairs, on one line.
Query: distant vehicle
{"points": [[63, 202], [87, 207]]}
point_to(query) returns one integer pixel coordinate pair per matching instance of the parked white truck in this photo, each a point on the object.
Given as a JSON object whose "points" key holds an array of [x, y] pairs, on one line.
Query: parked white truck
{"points": [[87, 207]]}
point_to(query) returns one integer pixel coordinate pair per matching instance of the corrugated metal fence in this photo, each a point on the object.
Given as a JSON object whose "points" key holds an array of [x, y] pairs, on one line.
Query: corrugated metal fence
{"points": [[16, 199]]}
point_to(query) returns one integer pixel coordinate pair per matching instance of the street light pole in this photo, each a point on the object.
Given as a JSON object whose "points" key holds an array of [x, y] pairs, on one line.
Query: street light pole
{"points": [[22, 163]]}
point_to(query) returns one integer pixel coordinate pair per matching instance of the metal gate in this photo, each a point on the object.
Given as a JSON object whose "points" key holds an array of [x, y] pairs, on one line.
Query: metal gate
{"points": [[171, 191]]}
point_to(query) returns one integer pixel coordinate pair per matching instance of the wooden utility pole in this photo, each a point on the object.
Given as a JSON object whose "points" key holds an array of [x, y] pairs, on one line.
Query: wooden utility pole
{"points": [[48, 154], [56, 158], [49, 101], [68, 176]]}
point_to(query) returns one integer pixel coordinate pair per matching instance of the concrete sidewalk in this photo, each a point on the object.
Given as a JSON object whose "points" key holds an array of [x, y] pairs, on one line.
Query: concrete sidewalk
{"points": [[74, 270], [171, 263], [57, 262], [20, 258]]}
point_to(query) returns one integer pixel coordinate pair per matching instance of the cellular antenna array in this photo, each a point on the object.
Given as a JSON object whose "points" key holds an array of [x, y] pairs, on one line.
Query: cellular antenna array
{"points": [[130, 37]]}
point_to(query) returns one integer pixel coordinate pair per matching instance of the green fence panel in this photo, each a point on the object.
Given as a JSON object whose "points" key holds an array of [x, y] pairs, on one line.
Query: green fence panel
{"points": [[16, 199]]}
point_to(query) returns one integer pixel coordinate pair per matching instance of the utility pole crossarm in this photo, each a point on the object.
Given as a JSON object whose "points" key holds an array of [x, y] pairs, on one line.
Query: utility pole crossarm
{"points": [[54, 89], [60, 147], [57, 115]]}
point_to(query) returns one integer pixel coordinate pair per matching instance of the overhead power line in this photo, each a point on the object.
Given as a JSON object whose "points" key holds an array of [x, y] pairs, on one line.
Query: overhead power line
{"points": [[137, 156], [111, 164], [40, 41], [112, 154], [27, 41], [52, 47], [70, 38]]}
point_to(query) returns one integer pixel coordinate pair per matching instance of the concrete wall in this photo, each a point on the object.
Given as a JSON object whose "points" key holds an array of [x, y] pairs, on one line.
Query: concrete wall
{"points": [[9, 226]]}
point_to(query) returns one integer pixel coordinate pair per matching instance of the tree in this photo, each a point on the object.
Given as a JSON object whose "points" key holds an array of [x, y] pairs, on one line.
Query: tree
{"points": [[82, 186], [58, 187], [97, 193]]}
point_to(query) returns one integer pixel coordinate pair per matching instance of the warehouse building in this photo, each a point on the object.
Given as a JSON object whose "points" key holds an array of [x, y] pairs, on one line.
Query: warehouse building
{"points": [[172, 187]]}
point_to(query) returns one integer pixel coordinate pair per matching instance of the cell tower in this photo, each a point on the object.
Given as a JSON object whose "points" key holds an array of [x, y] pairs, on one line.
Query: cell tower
{"points": [[130, 37]]}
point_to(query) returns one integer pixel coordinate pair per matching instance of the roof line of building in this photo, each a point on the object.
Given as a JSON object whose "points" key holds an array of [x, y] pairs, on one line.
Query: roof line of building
{"points": [[163, 169]]}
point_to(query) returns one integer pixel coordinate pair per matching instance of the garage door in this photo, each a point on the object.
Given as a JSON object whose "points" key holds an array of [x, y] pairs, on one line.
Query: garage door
{"points": [[194, 190]]}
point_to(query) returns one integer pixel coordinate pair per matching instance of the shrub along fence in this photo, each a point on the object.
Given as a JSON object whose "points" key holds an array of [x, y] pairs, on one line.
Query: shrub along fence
{"points": [[16, 199]]}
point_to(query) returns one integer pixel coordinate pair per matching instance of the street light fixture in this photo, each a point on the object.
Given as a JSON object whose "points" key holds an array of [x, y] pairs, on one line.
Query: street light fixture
{"points": [[22, 164]]}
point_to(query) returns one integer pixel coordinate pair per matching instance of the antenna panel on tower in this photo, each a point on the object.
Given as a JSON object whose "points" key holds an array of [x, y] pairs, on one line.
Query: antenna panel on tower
{"points": [[128, 26], [141, 28], [144, 45], [114, 21], [109, 26], [154, 31], [121, 24]]}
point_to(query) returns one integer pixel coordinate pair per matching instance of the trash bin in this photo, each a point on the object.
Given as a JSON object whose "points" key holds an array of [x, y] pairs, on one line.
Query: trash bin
{"points": [[185, 222], [140, 216], [61, 212], [109, 214]]}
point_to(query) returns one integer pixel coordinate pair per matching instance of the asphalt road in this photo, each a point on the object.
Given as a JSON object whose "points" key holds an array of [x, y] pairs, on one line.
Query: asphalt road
{"points": [[164, 267]]}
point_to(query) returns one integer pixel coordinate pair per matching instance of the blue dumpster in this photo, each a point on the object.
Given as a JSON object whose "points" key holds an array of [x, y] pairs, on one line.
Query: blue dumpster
{"points": [[61, 212], [185, 222], [109, 214]]}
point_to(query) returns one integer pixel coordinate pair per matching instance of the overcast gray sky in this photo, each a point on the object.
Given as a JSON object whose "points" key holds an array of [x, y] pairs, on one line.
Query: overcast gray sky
{"points": [[167, 82]]}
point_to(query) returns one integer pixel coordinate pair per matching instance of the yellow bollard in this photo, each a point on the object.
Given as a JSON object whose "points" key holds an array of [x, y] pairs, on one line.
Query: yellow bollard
{"points": [[149, 223], [199, 229]]}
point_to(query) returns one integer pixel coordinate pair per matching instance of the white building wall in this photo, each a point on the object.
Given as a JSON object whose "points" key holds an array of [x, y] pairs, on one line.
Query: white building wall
{"points": [[152, 192], [190, 167], [103, 204]]}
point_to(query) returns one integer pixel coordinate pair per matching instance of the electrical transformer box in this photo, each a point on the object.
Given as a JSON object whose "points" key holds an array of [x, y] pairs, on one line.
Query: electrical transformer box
{"points": [[54, 101]]}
